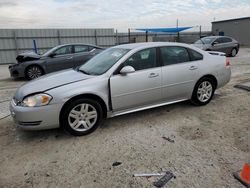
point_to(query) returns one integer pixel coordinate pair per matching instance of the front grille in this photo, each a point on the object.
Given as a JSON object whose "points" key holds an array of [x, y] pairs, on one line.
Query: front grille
{"points": [[31, 123]]}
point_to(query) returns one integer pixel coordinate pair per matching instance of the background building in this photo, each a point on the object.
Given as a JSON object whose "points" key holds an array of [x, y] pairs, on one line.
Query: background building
{"points": [[238, 28]]}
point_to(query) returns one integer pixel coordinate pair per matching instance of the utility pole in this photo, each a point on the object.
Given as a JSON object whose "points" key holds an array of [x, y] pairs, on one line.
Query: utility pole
{"points": [[116, 37], [200, 31], [128, 35], [178, 34]]}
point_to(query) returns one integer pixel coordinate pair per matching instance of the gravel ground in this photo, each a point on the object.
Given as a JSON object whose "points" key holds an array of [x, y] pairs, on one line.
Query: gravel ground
{"points": [[209, 143]]}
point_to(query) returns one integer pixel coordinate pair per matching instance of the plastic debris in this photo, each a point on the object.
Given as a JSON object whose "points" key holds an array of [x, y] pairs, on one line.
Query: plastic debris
{"points": [[149, 174], [116, 163], [168, 139], [163, 180]]}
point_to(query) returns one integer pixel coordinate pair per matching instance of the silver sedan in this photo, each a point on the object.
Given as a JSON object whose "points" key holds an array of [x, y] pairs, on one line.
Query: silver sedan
{"points": [[120, 80], [224, 44]]}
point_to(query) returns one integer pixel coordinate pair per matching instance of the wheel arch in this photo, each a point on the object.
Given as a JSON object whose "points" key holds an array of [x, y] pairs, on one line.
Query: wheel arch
{"points": [[87, 96], [212, 77]]}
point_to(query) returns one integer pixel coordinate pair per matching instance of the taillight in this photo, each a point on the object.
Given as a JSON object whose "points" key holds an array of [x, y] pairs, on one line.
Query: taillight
{"points": [[227, 63]]}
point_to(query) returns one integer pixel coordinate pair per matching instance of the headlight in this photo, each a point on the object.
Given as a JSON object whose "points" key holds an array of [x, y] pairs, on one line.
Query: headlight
{"points": [[36, 100]]}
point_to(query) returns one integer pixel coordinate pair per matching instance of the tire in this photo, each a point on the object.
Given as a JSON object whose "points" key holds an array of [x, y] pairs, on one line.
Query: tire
{"points": [[234, 52], [33, 72], [203, 92], [76, 121]]}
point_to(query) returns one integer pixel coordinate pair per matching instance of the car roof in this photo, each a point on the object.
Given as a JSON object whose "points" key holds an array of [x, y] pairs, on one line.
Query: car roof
{"points": [[77, 44], [149, 44], [215, 37]]}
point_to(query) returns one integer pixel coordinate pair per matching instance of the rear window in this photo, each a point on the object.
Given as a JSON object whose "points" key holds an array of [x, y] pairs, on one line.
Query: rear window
{"points": [[174, 55], [81, 48], [195, 56]]}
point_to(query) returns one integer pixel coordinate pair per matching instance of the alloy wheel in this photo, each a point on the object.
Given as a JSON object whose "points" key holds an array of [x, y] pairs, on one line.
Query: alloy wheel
{"points": [[205, 91], [82, 117], [34, 72]]}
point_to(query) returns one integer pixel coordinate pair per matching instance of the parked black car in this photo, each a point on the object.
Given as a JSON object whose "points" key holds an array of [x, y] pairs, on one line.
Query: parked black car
{"points": [[31, 65], [224, 44]]}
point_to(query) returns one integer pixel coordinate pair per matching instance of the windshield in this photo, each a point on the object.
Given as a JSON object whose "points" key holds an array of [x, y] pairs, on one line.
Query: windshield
{"points": [[103, 61], [206, 40], [49, 51]]}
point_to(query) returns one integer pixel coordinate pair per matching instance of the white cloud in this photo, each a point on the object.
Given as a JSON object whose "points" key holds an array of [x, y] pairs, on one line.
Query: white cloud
{"points": [[118, 14]]}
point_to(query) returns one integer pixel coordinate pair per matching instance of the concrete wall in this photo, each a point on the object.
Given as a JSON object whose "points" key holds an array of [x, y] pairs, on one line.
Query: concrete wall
{"points": [[15, 41], [238, 29]]}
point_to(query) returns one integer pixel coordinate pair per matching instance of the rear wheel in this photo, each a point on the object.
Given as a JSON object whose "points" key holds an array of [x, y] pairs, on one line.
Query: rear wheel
{"points": [[233, 52], [33, 72], [81, 117], [203, 91]]}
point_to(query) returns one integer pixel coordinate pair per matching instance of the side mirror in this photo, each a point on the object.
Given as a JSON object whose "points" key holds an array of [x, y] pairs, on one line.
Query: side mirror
{"points": [[52, 55], [214, 43], [126, 70]]}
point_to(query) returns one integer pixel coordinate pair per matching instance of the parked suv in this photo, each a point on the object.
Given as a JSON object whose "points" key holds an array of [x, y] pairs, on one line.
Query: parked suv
{"points": [[224, 44]]}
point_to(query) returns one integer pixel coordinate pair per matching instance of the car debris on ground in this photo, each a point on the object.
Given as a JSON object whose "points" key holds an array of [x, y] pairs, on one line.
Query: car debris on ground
{"points": [[116, 163], [163, 180], [168, 139]]}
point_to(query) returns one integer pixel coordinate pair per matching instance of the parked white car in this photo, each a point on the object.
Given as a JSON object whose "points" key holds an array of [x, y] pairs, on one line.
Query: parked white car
{"points": [[120, 80]]}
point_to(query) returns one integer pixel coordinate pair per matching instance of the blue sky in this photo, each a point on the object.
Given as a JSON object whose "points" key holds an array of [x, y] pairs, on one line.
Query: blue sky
{"points": [[118, 14]]}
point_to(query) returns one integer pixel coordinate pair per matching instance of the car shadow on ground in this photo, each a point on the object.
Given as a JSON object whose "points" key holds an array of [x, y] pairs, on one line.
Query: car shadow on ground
{"points": [[28, 136], [141, 115], [116, 122]]}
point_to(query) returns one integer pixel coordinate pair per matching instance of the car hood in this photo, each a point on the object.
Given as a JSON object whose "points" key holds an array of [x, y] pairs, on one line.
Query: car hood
{"points": [[27, 56], [50, 81]]}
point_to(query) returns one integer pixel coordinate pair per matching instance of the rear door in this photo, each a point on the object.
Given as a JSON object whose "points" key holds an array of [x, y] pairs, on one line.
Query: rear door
{"points": [[141, 87], [228, 45], [179, 72], [62, 59]]}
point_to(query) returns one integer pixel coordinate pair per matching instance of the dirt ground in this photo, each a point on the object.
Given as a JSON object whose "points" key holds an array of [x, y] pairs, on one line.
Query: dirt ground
{"points": [[209, 144]]}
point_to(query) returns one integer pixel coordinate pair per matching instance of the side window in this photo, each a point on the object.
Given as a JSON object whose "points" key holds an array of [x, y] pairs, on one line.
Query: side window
{"points": [[81, 48], [225, 39], [64, 50], [143, 59], [219, 40], [195, 56], [174, 54]]}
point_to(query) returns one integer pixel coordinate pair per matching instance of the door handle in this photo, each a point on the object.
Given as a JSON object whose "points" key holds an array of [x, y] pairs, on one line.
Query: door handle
{"points": [[70, 58], [152, 75], [193, 68]]}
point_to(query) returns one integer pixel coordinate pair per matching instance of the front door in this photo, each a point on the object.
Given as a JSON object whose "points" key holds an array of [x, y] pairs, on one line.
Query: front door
{"points": [[62, 59], [139, 88], [220, 45]]}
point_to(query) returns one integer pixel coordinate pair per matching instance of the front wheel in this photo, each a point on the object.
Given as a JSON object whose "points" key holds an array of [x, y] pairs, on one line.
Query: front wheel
{"points": [[81, 117], [203, 92], [33, 72]]}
